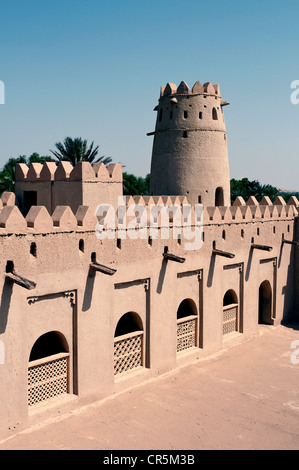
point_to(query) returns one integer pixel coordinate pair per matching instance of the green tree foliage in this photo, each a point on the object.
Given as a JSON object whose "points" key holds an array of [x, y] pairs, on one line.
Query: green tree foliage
{"points": [[135, 185], [8, 172], [76, 150], [246, 188]]}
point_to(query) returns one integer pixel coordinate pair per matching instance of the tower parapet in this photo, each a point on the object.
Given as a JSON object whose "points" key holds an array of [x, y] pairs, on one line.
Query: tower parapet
{"points": [[52, 185], [189, 155]]}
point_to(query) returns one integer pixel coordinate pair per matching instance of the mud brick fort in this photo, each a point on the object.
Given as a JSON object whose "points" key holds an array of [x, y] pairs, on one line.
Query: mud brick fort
{"points": [[89, 310]]}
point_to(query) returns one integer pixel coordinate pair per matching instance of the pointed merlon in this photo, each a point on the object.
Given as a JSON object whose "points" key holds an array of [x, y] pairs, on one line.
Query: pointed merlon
{"points": [[170, 89], [239, 201], [64, 218], [8, 198], [48, 171], [39, 219], [183, 89], [86, 218], [82, 171], [21, 171], [34, 171], [266, 201], [197, 88], [209, 88], [11, 219], [63, 171]]}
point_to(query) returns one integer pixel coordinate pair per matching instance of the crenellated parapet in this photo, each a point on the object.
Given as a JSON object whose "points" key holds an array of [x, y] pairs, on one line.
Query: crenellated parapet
{"points": [[134, 212], [65, 171], [207, 88]]}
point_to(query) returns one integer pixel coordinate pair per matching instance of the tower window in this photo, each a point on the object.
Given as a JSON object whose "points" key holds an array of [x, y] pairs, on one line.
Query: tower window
{"points": [[219, 197], [185, 134], [81, 245], [200, 115], [160, 114], [170, 114], [185, 114], [214, 114], [33, 250]]}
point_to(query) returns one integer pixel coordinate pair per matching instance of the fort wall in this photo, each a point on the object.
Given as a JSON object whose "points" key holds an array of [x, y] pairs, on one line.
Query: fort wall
{"points": [[56, 254]]}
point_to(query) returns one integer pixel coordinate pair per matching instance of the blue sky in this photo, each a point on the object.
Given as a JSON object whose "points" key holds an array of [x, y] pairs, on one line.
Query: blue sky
{"points": [[94, 69]]}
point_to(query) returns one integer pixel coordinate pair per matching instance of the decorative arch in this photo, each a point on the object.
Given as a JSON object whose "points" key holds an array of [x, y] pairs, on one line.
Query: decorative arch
{"points": [[128, 343], [230, 312], [48, 368], [187, 325], [48, 344]]}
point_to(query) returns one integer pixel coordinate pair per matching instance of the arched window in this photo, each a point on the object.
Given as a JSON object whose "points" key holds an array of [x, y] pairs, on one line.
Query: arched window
{"points": [[128, 343], [219, 197], [230, 312], [48, 368], [187, 320], [214, 114], [265, 303]]}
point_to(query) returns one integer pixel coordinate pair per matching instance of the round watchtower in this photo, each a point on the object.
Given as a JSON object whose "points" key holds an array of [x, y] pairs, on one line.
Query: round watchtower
{"points": [[189, 155]]}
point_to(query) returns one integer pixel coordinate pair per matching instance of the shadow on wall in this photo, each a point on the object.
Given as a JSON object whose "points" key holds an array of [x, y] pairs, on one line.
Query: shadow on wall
{"points": [[5, 304], [88, 293], [211, 270], [161, 276], [289, 313]]}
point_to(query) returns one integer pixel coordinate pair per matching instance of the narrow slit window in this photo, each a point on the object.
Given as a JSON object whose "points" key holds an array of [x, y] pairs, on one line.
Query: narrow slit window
{"points": [[185, 114], [214, 114], [33, 250], [200, 115], [185, 134]]}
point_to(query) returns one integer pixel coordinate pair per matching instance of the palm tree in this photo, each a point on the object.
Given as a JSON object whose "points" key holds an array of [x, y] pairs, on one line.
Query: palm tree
{"points": [[76, 150]]}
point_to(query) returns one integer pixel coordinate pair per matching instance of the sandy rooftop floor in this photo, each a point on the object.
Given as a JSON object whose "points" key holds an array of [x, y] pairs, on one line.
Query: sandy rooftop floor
{"points": [[245, 397]]}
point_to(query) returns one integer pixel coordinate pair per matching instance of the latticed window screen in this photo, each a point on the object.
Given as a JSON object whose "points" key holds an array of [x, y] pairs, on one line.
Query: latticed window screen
{"points": [[128, 352], [186, 333], [47, 378], [230, 318]]}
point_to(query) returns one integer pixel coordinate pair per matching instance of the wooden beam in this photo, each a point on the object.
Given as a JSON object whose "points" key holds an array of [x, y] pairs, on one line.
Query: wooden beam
{"points": [[223, 253], [290, 242], [261, 247], [101, 268], [21, 281], [170, 257]]}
